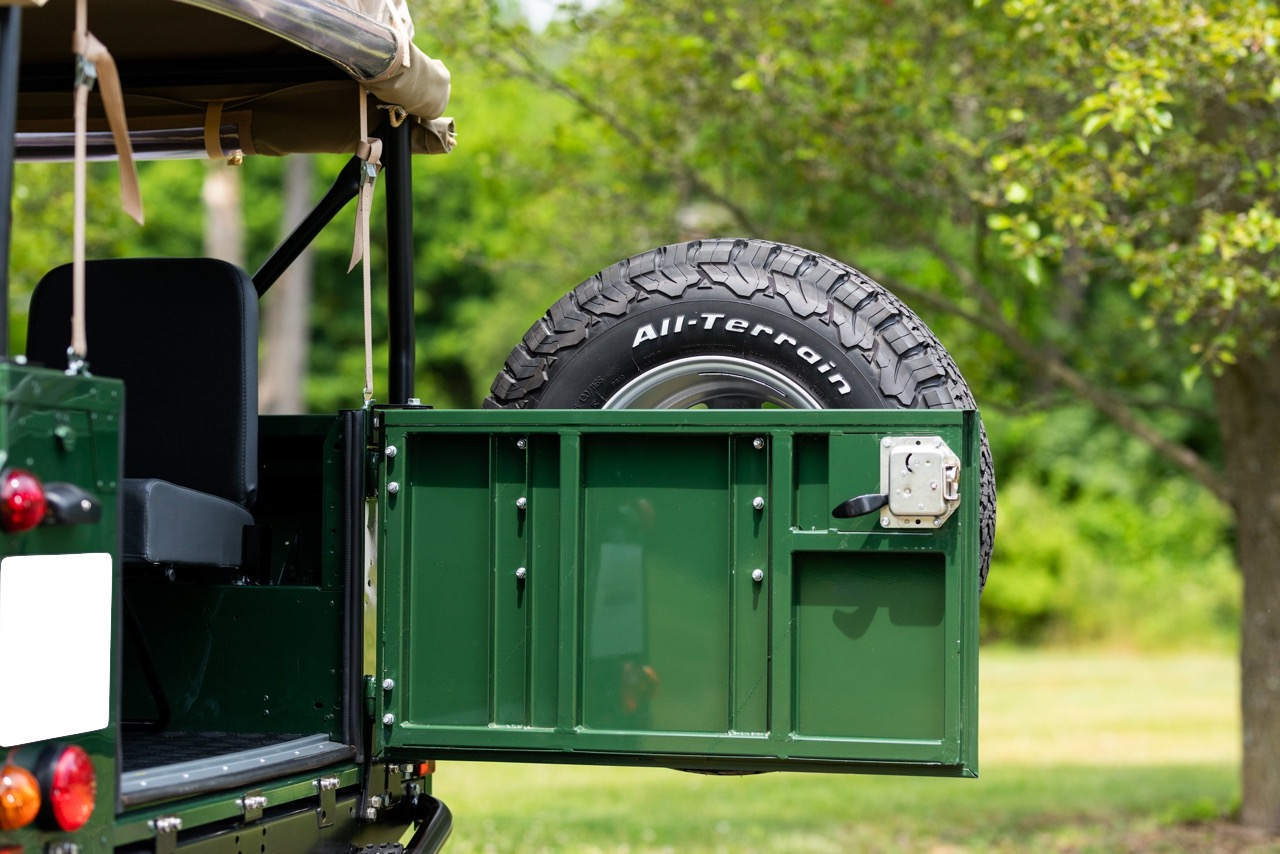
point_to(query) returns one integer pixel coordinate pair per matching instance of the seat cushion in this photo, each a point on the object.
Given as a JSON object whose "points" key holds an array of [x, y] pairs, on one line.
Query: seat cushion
{"points": [[164, 523]]}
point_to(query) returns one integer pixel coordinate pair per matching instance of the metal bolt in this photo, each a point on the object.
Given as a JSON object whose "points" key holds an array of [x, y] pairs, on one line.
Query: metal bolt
{"points": [[388, 719], [390, 451], [414, 401], [375, 802], [388, 684], [884, 521], [522, 503], [521, 573], [933, 486], [393, 487], [757, 503], [937, 442], [757, 443], [757, 575], [522, 443], [371, 814], [937, 523], [887, 441]]}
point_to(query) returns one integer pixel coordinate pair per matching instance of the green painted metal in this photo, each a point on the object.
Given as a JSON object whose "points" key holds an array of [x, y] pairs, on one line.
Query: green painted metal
{"points": [[614, 615], [66, 429], [219, 816], [238, 658]]}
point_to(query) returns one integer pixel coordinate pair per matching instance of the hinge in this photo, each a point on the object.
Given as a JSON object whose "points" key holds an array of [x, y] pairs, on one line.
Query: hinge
{"points": [[327, 788], [252, 803], [166, 828]]}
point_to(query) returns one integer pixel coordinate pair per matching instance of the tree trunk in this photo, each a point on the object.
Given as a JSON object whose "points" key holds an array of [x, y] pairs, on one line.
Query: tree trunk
{"points": [[1248, 396], [286, 322], [223, 219]]}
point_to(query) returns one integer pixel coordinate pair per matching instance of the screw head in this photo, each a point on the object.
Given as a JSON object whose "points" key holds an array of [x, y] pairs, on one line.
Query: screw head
{"points": [[757, 443], [390, 451], [521, 573], [757, 503], [388, 684], [393, 487], [937, 523], [757, 575], [884, 521], [388, 719], [522, 503], [887, 441], [522, 443]]}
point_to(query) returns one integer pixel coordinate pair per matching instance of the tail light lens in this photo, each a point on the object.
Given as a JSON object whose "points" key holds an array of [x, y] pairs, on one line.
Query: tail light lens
{"points": [[19, 798], [72, 788], [22, 503]]}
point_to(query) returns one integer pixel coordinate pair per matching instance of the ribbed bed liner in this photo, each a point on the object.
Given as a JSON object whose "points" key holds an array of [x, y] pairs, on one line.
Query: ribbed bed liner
{"points": [[158, 766]]}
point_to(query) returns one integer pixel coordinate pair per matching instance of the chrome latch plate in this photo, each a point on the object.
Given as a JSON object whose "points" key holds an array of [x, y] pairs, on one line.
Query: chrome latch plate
{"points": [[921, 476]]}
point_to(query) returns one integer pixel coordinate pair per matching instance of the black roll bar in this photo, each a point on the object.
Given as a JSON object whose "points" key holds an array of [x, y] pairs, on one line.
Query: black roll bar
{"points": [[344, 189], [10, 40], [398, 174], [401, 352]]}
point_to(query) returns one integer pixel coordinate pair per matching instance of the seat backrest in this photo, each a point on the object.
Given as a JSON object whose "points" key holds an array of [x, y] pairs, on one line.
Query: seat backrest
{"points": [[183, 335]]}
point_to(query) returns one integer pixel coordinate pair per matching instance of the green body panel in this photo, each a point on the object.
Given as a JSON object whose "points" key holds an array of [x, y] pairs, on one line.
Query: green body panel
{"points": [[637, 634], [66, 429]]}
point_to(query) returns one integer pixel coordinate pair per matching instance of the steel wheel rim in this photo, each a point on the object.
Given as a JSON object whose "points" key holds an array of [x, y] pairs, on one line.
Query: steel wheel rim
{"points": [[715, 382]]}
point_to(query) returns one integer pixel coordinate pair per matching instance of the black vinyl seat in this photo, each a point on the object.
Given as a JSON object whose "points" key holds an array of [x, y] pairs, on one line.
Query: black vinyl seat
{"points": [[183, 335]]}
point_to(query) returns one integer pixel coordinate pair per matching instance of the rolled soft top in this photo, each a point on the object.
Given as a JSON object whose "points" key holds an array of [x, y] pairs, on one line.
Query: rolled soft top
{"points": [[220, 76]]}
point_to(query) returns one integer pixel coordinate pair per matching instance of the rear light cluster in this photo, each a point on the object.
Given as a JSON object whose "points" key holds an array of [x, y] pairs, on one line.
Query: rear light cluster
{"points": [[61, 797], [22, 501]]}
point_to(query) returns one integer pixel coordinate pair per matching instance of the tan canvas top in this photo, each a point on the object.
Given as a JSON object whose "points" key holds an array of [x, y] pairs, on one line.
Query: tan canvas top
{"points": [[261, 76]]}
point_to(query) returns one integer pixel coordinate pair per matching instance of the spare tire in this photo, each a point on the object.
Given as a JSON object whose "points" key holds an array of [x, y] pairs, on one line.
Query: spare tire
{"points": [[737, 324]]}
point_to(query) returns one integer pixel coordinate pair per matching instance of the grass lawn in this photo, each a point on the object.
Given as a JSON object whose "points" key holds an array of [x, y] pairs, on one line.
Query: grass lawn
{"points": [[1079, 752]]}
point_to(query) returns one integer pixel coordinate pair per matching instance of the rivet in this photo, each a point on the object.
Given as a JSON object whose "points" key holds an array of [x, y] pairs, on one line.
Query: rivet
{"points": [[390, 451], [757, 575], [887, 441], [388, 684], [937, 523], [757, 503], [884, 521], [388, 719], [393, 487]]}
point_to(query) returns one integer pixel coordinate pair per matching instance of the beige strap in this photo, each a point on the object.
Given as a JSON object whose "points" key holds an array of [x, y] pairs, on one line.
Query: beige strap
{"points": [[79, 343], [94, 63], [370, 151], [213, 130], [96, 52]]}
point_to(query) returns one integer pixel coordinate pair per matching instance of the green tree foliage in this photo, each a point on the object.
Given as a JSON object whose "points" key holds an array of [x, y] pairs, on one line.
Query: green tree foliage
{"points": [[1086, 185]]}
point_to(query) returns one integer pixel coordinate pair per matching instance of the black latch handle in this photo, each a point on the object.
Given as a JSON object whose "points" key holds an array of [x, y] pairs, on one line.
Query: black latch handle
{"points": [[70, 505], [860, 506]]}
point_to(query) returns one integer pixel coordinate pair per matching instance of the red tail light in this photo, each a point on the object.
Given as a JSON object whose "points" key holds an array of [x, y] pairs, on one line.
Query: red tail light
{"points": [[73, 786], [22, 502]]}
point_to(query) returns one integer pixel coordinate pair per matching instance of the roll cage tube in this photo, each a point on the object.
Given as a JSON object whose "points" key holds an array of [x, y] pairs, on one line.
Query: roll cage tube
{"points": [[398, 174], [10, 39]]}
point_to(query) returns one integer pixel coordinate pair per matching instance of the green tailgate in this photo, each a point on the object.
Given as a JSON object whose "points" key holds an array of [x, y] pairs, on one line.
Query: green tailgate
{"points": [[670, 588]]}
